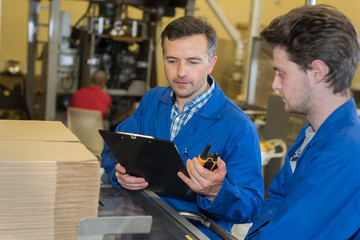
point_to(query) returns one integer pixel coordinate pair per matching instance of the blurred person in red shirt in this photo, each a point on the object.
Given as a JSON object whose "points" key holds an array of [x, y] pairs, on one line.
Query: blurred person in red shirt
{"points": [[93, 97]]}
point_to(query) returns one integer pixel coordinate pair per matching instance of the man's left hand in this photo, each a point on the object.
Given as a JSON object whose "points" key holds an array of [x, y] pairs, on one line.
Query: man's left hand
{"points": [[202, 180]]}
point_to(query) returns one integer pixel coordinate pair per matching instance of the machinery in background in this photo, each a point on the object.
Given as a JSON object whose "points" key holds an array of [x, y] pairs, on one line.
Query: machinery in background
{"points": [[68, 59], [106, 37], [121, 44], [68, 71], [12, 92]]}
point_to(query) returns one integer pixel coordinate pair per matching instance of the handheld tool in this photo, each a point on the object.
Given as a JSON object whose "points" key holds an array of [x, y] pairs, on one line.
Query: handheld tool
{"points": [[208, 159]]}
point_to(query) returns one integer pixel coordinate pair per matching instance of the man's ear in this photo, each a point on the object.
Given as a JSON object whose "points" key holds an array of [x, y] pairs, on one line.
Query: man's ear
{"points": [[212, 64], [319, 70]]}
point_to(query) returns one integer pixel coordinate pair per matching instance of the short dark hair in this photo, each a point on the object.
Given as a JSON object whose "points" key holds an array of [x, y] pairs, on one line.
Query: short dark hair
{"points": [[187, 26], [319, 32]]}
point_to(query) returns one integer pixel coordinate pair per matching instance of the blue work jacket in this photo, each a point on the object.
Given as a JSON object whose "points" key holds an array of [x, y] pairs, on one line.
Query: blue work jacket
{"points": [[231, 133], [321, 199]]}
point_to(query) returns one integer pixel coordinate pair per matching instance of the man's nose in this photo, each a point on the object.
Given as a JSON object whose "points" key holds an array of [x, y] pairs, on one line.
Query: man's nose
{"points": [[276, 83], [181, 71]]}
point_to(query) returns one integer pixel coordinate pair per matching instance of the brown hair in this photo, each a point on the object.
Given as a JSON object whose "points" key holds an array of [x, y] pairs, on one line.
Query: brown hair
{"points": [[318, 32], [187, 26]]}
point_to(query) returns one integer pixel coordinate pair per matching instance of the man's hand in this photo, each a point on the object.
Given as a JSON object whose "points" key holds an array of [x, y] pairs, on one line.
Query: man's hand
{"points": [[203, 181], [127, 181]]}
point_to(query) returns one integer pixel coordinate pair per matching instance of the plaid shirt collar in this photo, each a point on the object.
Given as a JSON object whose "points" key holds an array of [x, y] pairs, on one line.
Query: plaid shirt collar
{"points": [[200, 100], [178, 120]]}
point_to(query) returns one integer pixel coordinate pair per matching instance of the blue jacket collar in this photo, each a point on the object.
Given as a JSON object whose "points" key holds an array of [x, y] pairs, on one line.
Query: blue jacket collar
{"points": [[345, 112]]}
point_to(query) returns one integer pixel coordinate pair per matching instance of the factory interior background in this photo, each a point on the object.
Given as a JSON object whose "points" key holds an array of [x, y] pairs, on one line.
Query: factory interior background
{"points": [[245, 78], [231, 77], [15, 16]]}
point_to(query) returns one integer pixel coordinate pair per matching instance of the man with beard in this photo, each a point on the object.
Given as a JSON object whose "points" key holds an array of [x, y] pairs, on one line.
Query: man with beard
{"points": [[316, 193]]}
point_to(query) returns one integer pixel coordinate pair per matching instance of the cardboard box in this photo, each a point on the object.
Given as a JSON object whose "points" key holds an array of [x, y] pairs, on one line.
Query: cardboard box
{"points": [[48, 181]]}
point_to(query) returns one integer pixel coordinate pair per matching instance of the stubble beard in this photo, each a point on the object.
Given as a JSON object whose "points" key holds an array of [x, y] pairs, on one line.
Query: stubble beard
{"points": [[303, 105]]}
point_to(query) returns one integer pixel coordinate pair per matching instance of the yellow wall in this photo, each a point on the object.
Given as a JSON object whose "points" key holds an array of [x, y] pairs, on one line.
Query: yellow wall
{"points": [[14, 17], [13, 31], [14, 20]]}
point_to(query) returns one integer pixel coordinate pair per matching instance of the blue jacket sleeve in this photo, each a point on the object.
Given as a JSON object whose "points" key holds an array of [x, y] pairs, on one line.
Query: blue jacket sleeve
{"points": [[322, 199], [240, 197]]}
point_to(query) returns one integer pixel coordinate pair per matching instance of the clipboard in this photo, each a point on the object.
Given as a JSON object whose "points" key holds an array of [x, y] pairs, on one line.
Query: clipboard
{"points": [[156, 160]]}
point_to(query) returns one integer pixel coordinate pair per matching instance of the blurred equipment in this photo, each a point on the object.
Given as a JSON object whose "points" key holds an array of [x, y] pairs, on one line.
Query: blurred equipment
{"points": [[254, 30], [209, 223], [67, 73], [116, 36], [273, 148], [137, 208], [12, 92], [13, 67], [96, 228], [111, 37], [261, 74]]}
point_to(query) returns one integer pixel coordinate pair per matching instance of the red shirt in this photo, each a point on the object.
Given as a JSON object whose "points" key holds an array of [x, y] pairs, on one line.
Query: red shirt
{"points": [[93, 98]]}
